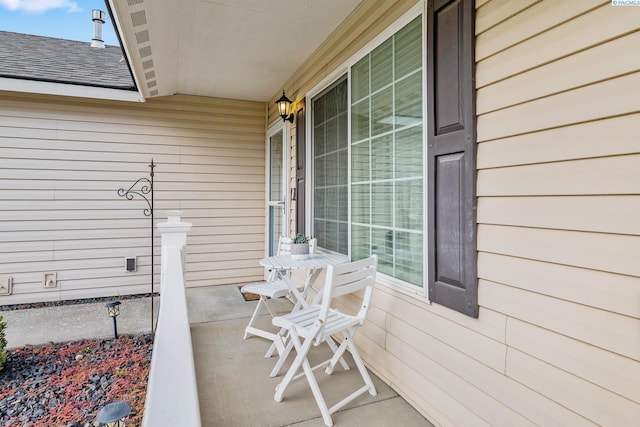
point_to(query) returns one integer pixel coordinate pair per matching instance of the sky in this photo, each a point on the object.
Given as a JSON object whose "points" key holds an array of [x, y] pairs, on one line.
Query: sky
{"points": [[64, 19]]}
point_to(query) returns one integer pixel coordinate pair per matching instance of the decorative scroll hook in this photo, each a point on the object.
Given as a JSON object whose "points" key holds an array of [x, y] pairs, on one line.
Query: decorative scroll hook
{"points": [[146, 188]]}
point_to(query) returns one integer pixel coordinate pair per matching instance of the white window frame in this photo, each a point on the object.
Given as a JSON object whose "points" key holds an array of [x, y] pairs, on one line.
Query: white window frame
{"points": [[421, 293]]}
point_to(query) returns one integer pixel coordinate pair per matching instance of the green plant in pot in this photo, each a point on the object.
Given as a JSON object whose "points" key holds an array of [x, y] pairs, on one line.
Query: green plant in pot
{"points": [[300, 247]]}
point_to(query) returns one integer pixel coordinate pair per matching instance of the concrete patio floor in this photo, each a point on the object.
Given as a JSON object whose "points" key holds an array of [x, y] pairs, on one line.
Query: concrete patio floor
{"points": [[233, 376]]}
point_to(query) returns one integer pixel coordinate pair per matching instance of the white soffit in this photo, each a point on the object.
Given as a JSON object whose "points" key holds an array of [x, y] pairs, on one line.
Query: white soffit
{"points": [[240, 49]]}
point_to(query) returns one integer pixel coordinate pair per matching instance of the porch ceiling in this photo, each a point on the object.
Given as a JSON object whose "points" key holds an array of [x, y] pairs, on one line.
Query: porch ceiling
{"points": [[241, 49]]}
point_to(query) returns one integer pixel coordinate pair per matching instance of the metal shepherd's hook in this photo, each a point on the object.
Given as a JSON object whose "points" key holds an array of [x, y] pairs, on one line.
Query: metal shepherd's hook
{"points": [[144, 189]]}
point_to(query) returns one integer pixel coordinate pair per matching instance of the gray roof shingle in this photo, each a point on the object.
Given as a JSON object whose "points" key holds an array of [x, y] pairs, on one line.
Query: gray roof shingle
{"points": [[25, 56]]}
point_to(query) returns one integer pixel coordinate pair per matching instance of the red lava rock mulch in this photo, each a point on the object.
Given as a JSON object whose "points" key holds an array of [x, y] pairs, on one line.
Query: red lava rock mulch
{"points": [[66, 384]]}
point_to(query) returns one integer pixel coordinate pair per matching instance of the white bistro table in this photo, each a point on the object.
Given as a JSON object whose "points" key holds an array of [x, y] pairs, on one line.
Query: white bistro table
{"points": [[314, 264]]}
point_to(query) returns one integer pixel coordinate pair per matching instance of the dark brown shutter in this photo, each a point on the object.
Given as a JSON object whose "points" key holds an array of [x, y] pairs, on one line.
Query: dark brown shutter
{"points": [[300, 169], [451, 155]]}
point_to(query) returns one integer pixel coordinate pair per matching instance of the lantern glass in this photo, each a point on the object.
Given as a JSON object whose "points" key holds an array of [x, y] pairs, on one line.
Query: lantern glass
{"points": [[284, 106], [113, 308]]}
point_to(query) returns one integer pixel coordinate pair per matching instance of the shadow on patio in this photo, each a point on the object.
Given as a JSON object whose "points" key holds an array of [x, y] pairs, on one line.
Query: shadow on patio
{"points": [[233, 376]]}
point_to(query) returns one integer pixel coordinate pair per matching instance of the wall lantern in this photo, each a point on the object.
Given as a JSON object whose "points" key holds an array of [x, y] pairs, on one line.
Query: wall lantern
{"points": [[114, 310], [284, 108], [112, 414]]}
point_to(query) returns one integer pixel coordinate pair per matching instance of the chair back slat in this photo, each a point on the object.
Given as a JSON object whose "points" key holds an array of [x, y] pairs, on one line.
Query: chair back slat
{"points": [[351, 281], [284, 245], [349, 278]]}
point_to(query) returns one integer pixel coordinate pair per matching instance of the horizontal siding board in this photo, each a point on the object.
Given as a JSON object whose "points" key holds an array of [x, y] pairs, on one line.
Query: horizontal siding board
{"points": [[543, 81], [608, 370], [582, 32], [375, 333], [18, 262], [583, 104], [229, 275], [534, 20], [116, 180], [599, 176], [604, 214], [535, 407], [596, 251], [62, 264], [99, 166], [92, 283], [611, 292], [155, 127], [132, 157], [136, 114], [603, 329], [16, 225], [231, 256], [595, 403], [498, 11], [415, 383], [492, 324], [382, 363], [480, 347], [485, 408], [226, 248], [73, 235], [566, 143]]}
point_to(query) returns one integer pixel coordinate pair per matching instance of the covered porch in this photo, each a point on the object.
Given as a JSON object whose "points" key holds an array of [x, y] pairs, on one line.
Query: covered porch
{"points": [[234, 387]]}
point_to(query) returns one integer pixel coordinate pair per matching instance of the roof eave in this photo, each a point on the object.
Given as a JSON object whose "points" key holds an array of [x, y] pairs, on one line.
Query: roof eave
{"points": [[64, 89]]}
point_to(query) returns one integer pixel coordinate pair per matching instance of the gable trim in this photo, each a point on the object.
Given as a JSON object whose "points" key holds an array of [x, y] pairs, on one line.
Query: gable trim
{"points": [[63, 89]]}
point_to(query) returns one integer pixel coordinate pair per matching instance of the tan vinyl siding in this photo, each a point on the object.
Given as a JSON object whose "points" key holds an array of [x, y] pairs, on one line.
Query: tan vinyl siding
{"points": [[557, 338], [558, 188], [63, 160]]}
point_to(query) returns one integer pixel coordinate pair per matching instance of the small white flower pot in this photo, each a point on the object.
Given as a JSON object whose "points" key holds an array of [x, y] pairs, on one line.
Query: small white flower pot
{"points": [[300, 250]]}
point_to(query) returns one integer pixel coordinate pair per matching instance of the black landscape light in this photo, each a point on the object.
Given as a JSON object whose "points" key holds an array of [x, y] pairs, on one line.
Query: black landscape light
{"points": [[114, 310], [112, 414]]}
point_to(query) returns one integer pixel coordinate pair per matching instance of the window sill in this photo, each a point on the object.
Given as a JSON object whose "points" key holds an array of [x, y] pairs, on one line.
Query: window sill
{"points": [[393, 284]]}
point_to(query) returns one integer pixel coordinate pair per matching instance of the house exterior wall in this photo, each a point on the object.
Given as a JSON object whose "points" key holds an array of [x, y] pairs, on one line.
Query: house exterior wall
{"points": [[62, 161], [557, 338]]}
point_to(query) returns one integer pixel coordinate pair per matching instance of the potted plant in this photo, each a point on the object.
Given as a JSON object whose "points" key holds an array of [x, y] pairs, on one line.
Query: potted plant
{"points": [[300, 247]]}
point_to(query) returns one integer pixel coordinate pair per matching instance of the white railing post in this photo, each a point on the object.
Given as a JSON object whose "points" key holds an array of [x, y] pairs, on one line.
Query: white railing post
{"points": [[174, 237], [172, 392]]}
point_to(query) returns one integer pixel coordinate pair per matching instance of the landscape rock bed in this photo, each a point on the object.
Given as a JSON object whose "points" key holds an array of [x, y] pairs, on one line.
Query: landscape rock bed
{"points": [[66, 384]]}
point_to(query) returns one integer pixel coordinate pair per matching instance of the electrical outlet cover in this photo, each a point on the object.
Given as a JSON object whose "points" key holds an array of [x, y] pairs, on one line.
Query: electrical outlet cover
{"points": [[50, 280]]}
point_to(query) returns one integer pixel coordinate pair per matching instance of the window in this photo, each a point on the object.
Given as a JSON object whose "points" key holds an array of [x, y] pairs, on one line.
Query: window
{"points": [[330, 167], [386, 156], [382, 149], [377, 180]]}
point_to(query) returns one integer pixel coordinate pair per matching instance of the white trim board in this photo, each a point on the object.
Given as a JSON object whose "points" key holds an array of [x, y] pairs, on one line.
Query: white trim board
{"points": [[63, 89]]}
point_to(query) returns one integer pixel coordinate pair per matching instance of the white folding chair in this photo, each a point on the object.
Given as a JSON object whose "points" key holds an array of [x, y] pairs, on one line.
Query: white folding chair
{"points": [[274, 287], [317, 323]]}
